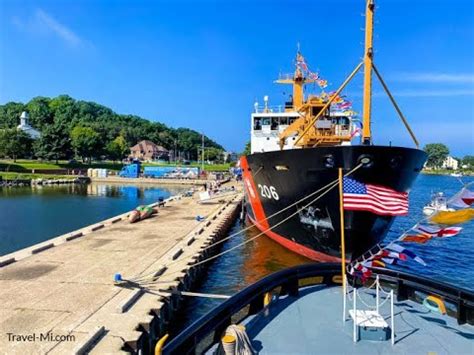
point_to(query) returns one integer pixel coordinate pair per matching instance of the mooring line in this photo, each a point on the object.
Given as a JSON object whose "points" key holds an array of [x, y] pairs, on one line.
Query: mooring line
{"points": [[251, 239], [330, 185]]}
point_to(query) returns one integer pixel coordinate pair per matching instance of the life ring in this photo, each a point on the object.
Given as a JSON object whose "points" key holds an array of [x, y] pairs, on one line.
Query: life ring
{"points": [[435, 304]]}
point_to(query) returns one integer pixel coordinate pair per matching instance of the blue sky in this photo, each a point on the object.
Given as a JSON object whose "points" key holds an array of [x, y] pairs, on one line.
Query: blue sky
{"points": [[202, 64]]}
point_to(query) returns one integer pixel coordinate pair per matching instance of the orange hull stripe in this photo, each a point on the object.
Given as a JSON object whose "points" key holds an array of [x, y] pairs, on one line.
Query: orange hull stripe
{"points": [[253, 194]]}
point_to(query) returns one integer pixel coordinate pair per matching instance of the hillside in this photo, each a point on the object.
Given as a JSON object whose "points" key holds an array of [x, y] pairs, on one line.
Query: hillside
{"points": [[57, 117]]}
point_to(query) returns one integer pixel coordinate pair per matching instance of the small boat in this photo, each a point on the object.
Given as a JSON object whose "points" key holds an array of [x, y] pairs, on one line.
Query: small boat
{"points": [[438, 203], [456, 174]]}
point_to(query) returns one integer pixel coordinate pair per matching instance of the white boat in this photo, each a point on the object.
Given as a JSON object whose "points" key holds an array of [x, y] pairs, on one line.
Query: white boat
{"points": [[456, 174], [438, 203]]}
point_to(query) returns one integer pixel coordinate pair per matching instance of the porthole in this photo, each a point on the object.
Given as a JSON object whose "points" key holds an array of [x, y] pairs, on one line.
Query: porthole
{"points": [[329, 161], [395, 162], [366, 161]]}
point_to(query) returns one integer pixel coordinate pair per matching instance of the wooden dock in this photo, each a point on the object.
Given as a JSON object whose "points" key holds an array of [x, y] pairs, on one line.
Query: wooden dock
{"points": [[60, 297]]}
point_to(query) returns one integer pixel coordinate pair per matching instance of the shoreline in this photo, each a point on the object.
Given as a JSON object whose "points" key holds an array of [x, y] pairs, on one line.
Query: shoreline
{"points": [[445, 172], [148, 181]]}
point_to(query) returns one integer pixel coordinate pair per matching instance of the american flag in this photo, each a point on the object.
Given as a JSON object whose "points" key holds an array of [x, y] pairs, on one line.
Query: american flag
{"points": [[376, 199]]}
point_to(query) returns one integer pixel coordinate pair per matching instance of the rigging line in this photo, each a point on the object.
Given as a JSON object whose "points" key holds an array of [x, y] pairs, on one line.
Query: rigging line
{"points": [[385, 300], [251, 239], [251, 226], [395, 105], [329, 186], [360, 299], [162, 292], [247, 241]]}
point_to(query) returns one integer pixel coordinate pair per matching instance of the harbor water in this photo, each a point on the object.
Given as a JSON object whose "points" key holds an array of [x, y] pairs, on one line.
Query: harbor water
{"points": [[33, 214], [449, 260]]}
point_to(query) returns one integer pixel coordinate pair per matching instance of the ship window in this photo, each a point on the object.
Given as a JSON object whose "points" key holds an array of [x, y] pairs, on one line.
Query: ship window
{"points": [[257, 124], [315, 110], [274, 123], [284, 121], [266, 121]]}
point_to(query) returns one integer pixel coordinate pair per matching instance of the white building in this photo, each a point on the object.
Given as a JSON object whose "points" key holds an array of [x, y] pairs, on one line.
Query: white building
{"points": [[25, 127], [450, 163], [230, 157]]}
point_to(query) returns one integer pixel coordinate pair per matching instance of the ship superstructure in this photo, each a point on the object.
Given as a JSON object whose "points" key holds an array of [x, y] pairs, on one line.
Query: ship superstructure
{"points": [[298, 147]]}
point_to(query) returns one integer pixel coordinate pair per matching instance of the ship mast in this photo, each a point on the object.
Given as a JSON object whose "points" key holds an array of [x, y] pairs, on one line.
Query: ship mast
{"points": [[368, 64], [304, 128]]}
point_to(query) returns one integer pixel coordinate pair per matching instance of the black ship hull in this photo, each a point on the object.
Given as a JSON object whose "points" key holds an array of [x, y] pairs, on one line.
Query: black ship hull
{"points": [[275, 180]]}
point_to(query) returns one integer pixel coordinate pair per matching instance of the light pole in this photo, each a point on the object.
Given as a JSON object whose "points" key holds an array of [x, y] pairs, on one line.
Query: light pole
{"points": [[202, 149]]}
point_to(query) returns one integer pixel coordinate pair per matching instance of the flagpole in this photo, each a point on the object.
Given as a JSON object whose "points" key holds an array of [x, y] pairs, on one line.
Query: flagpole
{"points": [[343, 243]]}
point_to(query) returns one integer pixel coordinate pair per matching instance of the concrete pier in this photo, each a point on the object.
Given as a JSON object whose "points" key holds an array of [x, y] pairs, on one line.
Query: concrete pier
{"points": [[59, 296], [153, 181]]}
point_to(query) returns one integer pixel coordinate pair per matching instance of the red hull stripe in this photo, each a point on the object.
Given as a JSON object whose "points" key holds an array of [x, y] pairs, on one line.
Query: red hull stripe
{"points": [[252, 194], [295, 247]]}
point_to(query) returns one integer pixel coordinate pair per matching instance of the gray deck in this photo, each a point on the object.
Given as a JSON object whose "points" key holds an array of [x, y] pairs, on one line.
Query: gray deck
{"points": [[312, 324]]}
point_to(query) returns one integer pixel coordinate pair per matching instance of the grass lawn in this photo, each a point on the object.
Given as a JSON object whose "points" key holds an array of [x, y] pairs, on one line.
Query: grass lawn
{"points": [[24, 176], [25, 165], [22, 165]]}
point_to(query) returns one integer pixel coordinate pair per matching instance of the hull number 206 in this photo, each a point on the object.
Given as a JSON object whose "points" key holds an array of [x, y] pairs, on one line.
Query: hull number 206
{"points": [[268, 192]]}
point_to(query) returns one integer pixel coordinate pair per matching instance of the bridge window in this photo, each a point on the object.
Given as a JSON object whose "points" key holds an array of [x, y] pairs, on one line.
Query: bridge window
{"points": [[257, 124], [266, 121], [274, 123], [284, 121]]}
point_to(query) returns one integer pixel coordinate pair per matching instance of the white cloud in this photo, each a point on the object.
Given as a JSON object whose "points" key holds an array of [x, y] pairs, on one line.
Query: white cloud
{"points": [[461, 78], [58, 28], [42, 22]]}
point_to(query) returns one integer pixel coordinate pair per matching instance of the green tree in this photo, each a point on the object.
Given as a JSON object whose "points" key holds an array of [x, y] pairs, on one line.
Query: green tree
{"points": [[437, 154], [15, 144], [40, 113], [247, 148], [10, 114], [85, 142], [54, 143], [117, 149], [469, 161], [214, 154]]}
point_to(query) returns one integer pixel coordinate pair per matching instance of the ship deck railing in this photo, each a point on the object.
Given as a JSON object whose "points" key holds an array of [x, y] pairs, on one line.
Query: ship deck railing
{"points": [[323, 281]]}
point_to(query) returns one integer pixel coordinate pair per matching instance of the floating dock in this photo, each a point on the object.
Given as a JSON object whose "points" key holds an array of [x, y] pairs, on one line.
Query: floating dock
{"points": [[60, 297]]}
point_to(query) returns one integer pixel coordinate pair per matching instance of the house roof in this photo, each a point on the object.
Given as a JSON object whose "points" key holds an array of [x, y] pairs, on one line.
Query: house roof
{"points": [[147, 145]]}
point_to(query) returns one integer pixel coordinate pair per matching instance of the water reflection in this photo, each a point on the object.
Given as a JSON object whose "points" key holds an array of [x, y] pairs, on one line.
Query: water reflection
{"points": [[263, 257], [38, 213]]}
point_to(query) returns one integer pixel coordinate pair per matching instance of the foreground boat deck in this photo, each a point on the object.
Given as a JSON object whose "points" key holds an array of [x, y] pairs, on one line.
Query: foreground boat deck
{"points": [[312, 324]]}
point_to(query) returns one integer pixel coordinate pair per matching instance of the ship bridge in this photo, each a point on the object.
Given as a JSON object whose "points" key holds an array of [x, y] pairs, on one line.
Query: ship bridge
{"points": [[268, 123]]}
